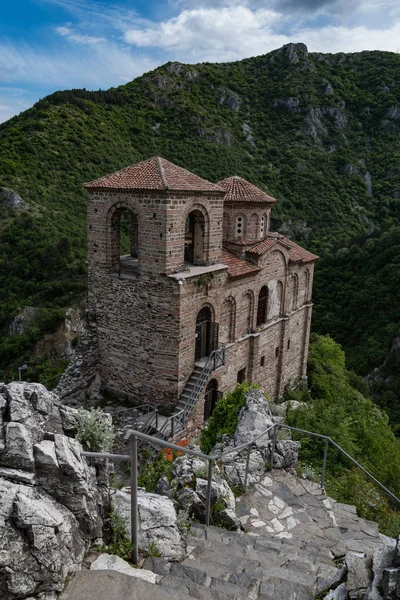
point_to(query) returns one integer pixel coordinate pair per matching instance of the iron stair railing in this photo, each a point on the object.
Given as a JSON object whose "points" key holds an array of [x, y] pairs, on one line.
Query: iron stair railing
{"points": [[177, 421]]}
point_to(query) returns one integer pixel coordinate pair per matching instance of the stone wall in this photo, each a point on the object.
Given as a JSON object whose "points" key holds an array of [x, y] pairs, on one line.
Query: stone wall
{"points": [[252, 213]]}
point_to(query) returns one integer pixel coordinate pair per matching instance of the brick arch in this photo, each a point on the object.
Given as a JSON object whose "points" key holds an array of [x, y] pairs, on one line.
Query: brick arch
{"points": [[204, 208], [294, 291], [253, 227], [248, 312], [112, 213], [228, 320], [306, 297]]}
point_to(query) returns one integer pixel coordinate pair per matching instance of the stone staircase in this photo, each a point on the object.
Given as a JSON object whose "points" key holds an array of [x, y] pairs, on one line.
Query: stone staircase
{"points": [[189, 387], [293, 547]]}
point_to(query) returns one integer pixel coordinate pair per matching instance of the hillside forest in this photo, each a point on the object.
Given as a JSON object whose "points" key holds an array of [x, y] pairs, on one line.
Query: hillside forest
{"points": [[319, 132]]}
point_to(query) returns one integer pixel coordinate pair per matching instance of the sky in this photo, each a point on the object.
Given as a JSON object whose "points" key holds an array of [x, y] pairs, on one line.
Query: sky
{"points": [[49, 45]]}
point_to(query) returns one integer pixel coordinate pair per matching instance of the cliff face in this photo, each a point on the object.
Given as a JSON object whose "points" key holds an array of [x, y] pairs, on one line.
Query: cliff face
{"points": [[52, 503]]}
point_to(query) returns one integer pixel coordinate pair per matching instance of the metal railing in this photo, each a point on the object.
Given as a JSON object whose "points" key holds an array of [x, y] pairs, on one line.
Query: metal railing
{"points": [[177, 421], [133, 459]]}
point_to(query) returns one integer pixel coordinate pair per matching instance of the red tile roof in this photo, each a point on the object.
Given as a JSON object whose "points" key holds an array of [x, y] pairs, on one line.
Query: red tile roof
{"points": [[296, 252], [154, 174], [239, 190], [237, 267], [299, 254]]}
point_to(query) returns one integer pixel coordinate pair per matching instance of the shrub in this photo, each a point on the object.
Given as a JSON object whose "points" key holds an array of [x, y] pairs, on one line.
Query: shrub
{"points": [[223, 420], [94, 431]]}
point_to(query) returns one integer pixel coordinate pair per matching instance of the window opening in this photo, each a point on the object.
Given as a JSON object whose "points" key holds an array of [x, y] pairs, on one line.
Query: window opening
{"points": [[262, 306], [262, 227], [195, 238], [262, 361], [239, 227]]}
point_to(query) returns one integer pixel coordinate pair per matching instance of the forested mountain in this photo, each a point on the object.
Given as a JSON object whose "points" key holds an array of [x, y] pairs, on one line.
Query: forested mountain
{"points": [[319, 132]]}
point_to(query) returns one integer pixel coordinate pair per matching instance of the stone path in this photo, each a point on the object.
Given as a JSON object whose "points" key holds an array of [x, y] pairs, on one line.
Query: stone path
{"points": [[293, 547]]}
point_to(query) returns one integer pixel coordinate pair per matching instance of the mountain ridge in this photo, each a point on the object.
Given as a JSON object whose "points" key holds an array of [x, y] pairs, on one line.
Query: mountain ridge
{"points": [[319, 132]]}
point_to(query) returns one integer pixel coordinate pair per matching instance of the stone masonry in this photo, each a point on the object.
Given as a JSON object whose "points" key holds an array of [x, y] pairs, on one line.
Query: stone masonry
{"points": [[201, 259]]}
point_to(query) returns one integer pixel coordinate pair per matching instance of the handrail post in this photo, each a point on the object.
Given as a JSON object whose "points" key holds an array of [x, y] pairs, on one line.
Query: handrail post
{"points": [[208, 501], [324, 464], [247, 468], [273, 447], [172, 426], [134, 499], [157, 419]]}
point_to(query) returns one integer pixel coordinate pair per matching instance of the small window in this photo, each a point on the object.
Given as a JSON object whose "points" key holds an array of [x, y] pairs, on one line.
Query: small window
{"points": [[262, 227], [241, 376], [239, 226], [277, 351], [288, 344], [262, 361]]}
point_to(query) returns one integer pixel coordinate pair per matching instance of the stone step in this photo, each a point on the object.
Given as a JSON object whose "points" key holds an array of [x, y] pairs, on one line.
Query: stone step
{"points": [[110, 585]]}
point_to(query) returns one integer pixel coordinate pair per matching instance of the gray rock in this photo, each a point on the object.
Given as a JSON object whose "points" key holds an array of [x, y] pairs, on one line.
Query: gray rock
{"points": [[391, 584], [359, 574], [189, 500], [11, 199], [292, 105], [110, 562], [340, 593], [394, 113], [157, 523], [19, 447]]}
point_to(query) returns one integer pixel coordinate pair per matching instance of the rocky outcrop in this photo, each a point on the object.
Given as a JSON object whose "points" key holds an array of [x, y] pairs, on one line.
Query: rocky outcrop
{"points": [[52, 502], [23, 320], [158, 528], [255, 418], [11, 199], [74, 385]]}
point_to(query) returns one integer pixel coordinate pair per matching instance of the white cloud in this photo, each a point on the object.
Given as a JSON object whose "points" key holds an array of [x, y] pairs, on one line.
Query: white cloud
{"points": [[203, 34], [79, 38], [231, 33]]}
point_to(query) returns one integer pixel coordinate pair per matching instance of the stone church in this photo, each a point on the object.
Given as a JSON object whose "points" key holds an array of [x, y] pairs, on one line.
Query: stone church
{"points": [[180, 269]]}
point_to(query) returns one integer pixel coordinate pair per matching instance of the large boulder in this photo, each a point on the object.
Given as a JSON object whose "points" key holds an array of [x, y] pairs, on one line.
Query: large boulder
{"points": [[254, 419], [158, 527], [52, 502]]}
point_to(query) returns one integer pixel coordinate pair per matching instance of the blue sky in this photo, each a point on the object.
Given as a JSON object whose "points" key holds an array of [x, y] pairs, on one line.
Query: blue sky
{"points": [[47, 45]]}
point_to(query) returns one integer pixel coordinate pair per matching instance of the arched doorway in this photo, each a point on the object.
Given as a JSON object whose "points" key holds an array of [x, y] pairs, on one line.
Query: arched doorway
{"points": [[195, 238], [211, 398], [124, 240], [206, 334]]}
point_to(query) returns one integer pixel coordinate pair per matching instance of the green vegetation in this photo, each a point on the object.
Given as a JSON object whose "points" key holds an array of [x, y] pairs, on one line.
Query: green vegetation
{"points": [[152, 468], [356, 295], [224, 418], [119, 543], [313, 146], [336, 405], [94, 430]]}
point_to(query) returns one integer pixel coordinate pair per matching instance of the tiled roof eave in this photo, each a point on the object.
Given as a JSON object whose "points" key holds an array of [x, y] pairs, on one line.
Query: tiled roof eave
{"points": [[154, 192]]}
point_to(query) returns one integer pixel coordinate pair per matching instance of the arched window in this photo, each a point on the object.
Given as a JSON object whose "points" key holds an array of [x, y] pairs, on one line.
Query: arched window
{"points": [[295, 291], [227, 324], [306, 287], [253, 227], [276, 301], [263, 223], [248, 305], [195, 231], [262, 308], [124, 250], [206, 337], [239, 230]]}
